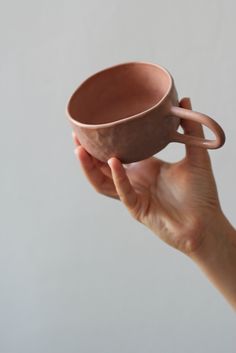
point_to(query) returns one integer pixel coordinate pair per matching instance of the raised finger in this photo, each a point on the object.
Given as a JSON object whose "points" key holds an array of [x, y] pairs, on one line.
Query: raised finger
{"points": [[96, 177], [194, 154], [123, 186], [190, 127]]}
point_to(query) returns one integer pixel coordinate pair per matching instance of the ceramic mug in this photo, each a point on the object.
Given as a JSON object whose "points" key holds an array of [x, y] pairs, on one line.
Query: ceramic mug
{"points": [[131, 111]]}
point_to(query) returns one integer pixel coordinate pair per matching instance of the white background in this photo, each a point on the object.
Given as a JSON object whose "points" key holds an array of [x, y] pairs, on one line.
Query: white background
{"points": [[77, 274]]}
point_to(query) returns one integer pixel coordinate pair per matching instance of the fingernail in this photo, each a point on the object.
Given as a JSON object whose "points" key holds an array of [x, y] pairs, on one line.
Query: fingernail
{"points": [[109, 162]]}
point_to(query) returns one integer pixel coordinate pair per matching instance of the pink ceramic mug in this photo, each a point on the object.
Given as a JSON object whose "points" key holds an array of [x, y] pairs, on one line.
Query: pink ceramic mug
{"points": [[131, 111]]}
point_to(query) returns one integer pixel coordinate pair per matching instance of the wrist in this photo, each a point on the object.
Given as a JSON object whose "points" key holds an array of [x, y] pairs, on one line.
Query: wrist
{"points": [[216, 256], [217, 240]]}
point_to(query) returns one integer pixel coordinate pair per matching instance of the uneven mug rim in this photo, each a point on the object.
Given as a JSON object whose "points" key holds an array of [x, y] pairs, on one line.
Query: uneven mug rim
{"points": [[131, 117]]}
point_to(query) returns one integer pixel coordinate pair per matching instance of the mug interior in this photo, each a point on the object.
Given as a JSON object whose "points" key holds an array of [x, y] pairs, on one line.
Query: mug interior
{"points": [[119, 92]]}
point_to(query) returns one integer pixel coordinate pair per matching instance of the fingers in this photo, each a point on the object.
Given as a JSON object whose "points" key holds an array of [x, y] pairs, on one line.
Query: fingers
{"points": [[106, 170], [75, 139], [91, 168], [193, 153], [123, 187], [190, 127], [103, 166]]}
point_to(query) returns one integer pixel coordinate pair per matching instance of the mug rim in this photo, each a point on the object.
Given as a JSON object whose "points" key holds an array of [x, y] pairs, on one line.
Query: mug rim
{"points": [[130, 117]]}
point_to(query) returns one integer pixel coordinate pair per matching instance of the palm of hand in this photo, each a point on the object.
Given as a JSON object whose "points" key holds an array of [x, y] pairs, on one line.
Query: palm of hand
{"points": [[174, 199]]}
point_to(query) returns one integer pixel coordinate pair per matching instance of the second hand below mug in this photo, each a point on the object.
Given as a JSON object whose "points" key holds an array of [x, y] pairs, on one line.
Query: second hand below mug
{"points": [[131, 111]]}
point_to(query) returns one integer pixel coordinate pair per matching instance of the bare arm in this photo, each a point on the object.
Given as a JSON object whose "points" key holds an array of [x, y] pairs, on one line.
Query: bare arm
{"points": [[216, 257]]}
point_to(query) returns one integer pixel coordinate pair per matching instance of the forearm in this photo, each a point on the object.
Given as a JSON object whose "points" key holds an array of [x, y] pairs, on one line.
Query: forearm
{"points": [[216, 256]]}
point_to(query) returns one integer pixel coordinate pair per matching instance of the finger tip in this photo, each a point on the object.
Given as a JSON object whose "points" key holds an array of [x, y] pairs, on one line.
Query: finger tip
{"points": [[75, 139], [80, 152], [73, 136], [186, 103], [113, 161], [110, 162], [76, 152]]}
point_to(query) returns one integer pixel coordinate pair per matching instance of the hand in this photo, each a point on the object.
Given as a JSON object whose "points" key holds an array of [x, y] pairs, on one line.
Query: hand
{"points": [[177, 201]]}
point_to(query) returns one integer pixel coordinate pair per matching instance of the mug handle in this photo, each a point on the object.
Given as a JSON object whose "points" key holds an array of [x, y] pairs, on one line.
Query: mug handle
{"points": [[202, 119]]}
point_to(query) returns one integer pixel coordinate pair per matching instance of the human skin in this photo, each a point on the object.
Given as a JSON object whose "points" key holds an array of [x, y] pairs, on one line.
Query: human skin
{"points": [[177, 201]]}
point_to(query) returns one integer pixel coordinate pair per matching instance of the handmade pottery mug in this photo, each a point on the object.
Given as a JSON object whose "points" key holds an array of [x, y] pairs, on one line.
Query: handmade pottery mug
{"points": [[131, 111]]}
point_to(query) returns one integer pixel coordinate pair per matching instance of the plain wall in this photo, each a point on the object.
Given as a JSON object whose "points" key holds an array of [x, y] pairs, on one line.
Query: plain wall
{"points": [[77, 274]]}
